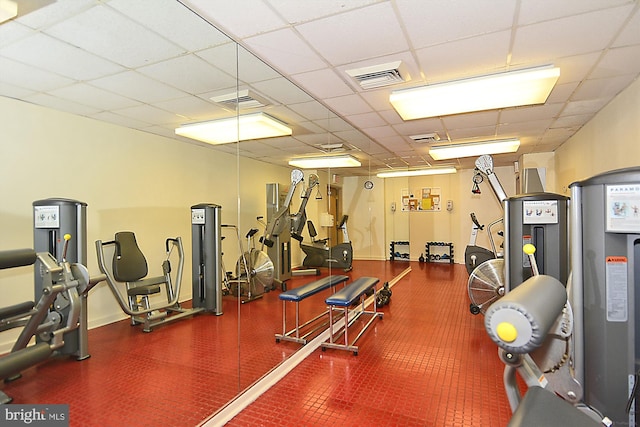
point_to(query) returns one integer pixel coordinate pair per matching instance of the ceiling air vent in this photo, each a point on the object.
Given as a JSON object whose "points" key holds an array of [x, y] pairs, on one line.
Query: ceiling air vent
{"points": [[243, 99], [427, 138], [380, 75]]}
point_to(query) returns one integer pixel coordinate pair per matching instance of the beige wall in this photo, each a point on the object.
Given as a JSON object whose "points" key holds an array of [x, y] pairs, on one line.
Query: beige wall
{"points": [[609, 141], [444, 226]]}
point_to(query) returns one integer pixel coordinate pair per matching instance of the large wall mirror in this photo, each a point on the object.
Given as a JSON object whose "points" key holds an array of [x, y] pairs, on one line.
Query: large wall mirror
{"points": [[92, 93]]}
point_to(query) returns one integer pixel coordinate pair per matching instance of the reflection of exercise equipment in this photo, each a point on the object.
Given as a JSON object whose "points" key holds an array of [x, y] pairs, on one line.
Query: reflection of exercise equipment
{"points": [[535, 316], [206, 277], [475, 255], [319, 254], [129, 268], [57, 313], [253, 270]]}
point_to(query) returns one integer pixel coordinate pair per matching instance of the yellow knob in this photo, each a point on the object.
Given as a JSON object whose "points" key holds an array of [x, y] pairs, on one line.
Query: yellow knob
{"points": [[67, 236], [529, 249], [507, 332]]}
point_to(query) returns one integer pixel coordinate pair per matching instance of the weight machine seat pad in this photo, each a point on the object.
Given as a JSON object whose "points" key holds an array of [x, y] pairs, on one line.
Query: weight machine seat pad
{"points": [[129, 264], [354, 290], [12, 310], [143, 290], [541, 407], [304, 291]]}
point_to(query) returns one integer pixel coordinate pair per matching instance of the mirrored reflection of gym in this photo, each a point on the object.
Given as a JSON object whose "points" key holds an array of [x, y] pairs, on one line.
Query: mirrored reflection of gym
{"points": [[320, 216]]}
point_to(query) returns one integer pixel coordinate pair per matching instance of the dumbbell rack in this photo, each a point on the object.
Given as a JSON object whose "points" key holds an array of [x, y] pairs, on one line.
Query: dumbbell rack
{"points": [[444, 254], [397, 255]]}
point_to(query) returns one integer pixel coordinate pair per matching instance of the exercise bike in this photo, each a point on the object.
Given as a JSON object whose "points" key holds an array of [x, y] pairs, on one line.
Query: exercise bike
{"points": [[475, 255], [254, 272], [51, 319]]}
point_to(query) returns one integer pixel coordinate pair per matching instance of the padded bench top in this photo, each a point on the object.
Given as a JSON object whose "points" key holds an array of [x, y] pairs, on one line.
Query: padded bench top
{"points": [[347, 295], [300, 293]]}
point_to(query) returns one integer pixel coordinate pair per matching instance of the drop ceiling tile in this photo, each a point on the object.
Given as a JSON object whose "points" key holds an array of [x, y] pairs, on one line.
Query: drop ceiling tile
{"points": [[60, 104], [485, 132], [575, 68], [367, 120], [238, 63], [283, 92], [532, 11], [173, 20], [12, 31], [120, 120], [11, 91], [286, 51], [189, 73], [101, 29], [484, 54], [545, 41], [150, 114], [480, 119], [590, 106], [193, 108], [575, 121], [55, 12], [441, 21], [243, 19], [618, 61], [416, 127], [348, 105], [535, 112], [92, 96], [45, 52], [562, 93], [630, 34], [533, 128], [371, 31], [323, 83], [295, 11], [28, 77], [602, 88], [137, 86]]}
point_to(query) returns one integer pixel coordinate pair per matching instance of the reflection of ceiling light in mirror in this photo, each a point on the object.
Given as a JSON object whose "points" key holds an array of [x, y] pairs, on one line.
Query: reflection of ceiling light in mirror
{"points": [[320, 162], [233, 129], [509, 89], [453, 151], [8, 10], [417, 172]]}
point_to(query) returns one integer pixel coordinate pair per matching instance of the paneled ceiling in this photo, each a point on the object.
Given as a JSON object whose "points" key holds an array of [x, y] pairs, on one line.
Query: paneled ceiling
{"points": [[152, 65]]}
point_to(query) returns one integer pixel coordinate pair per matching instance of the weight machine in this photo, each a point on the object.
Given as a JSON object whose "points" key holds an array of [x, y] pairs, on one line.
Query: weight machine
{"points": [[533, 326], [58, 312], [128, 271]]}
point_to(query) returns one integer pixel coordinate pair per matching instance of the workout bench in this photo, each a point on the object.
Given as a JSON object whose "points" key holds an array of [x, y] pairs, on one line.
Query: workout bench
{"points": [[298, 294], [345, 298]]}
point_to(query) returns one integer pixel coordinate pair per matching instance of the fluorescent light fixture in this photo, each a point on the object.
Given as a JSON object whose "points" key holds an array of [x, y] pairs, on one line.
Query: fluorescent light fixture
{"points": [[320, 162], [454, 151], [417, 172], [233, 129], [509, 89], [8, 10]]}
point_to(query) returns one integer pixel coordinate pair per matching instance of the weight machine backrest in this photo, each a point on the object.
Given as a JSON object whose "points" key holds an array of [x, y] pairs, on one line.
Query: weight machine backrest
{"points": [[129, 263]]}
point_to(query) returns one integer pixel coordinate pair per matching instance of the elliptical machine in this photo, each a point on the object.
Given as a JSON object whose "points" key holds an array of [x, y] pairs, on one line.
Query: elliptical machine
{"points": [[319, 254]]}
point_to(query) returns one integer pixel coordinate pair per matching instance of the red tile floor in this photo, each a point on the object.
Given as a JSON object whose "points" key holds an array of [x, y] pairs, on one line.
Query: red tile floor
{"points": [[429, 362]]}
